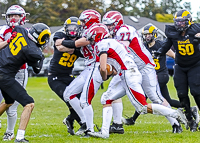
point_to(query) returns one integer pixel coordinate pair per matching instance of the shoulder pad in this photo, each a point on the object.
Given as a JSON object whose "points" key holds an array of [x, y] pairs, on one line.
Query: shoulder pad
{"points": [[171, 32], [194, 28], [58, 35]]}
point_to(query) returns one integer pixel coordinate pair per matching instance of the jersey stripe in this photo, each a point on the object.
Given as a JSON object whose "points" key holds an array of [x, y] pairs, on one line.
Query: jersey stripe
{"points": [[137, 49], [112, 54]]}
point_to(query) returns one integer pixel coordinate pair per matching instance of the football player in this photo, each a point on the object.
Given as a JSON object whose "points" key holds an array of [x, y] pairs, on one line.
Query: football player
{"points": [[149, 34], [144, 61], [89, 81], [114, 53], [15, 15], [62, 63], [184, 36], [23, 48]]}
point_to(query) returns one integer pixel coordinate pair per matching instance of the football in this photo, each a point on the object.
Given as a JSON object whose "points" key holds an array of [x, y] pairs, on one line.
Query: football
{"points": [[109, 69]]}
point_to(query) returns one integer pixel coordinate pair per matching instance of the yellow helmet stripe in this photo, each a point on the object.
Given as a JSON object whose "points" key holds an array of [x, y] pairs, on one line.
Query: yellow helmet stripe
{"points": [[79, 22], [151, 29], [44, 32], [68, 21], [185, 13]]}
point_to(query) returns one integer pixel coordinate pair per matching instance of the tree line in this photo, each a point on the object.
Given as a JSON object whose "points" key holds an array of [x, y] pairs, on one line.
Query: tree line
{"points": [[54, 13]]}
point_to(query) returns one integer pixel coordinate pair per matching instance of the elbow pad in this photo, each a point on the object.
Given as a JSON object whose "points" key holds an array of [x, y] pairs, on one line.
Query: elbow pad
{"points": [[37, 68], [69, 44]]}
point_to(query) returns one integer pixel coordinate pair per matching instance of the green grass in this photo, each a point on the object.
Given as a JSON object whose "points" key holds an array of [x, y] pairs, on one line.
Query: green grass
{"points": [[46, 125]]}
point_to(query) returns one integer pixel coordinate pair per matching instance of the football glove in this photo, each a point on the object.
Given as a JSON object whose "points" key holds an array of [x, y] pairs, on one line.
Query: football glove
{"points": [[156, 54], [14, 34]]}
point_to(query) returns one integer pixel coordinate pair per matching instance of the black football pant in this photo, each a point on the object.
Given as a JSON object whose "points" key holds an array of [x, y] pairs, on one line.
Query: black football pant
{"points": [[58, 85], [163, 79], [185, 79]]}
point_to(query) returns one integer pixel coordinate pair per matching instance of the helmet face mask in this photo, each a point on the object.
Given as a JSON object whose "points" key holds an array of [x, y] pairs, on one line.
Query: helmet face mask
{"points": [[40, 33], [11, 18], [73, 27], [149, 33], [114, 20], [182, 20]]}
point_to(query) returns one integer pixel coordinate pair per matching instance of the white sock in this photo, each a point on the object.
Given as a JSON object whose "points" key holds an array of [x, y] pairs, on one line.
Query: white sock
{"points": [[11, 121], [107, 117], [88, 111], [20, 134], [117, 112], [162, 110], [75, 103]]}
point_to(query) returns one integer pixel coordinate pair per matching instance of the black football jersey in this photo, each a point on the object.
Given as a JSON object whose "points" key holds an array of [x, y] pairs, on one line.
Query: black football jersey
{"points": [[187, 50], [19, 51], [62, 63], [161, 61]]}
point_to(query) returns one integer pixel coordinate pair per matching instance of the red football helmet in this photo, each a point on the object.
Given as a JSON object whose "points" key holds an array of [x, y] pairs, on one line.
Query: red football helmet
{"points": [[88, 17], [114, 18], [97, 32], [15, 10]]}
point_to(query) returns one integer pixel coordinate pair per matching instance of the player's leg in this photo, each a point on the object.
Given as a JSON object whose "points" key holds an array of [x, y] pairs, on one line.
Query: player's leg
{"points": [[163, 79], [22, 78], [194, 84], [115, 89], [181, 85], [71, 91], [90, 88], [152, 90], [135, 92], [106, 100], [58, 85], [18, 93]]}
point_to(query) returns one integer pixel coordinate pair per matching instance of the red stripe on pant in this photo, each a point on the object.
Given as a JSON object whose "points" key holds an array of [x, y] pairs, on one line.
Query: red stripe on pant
{"points": [[90, 92], [140, 97]]}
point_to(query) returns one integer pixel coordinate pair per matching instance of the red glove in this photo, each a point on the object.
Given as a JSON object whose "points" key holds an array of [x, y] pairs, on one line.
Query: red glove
{"points": [[14, 34]]}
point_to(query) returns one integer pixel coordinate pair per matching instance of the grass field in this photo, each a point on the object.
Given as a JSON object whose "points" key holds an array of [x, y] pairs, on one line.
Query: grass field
{"points": [[46, 125]]}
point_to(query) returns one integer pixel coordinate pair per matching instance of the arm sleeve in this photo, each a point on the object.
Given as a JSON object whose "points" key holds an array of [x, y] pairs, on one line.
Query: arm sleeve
{"points": [[165, 47], [69, 44]]}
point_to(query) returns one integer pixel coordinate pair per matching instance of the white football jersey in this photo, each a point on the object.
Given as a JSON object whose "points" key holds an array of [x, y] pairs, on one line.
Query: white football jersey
{"points": [[117, 54], [141, 55], [88, 53], [5, 32]]}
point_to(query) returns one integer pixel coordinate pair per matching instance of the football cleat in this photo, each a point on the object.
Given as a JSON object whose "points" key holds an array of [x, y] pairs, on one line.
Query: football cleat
{"points": [[70, 128], [128, 121], [182, 118], [177, 129], [195, 113], [81, 130], [21, 141], [193, 125], [8, 136], [98, 135], [116, 128]]}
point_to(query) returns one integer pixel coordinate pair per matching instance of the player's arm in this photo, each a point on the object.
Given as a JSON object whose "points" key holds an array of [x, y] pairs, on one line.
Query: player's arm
{"points": [[103, 70], [170, 53], [62, 48], [3, 43], [165, 47], [73, 44], [38, 65]]}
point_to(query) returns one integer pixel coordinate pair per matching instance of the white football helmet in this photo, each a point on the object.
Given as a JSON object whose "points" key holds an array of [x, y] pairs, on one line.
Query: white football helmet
{"points": [[15, 10]]}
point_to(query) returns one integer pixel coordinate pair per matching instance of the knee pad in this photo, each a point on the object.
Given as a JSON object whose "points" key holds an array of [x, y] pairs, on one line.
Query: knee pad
{"points": [[104, 98], [84, 104], [66, 95], [12, 110]]}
